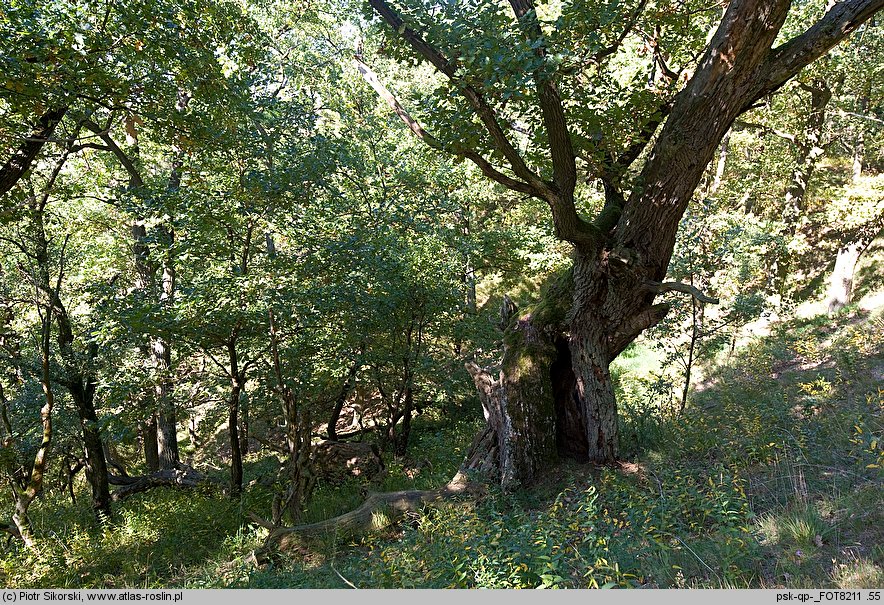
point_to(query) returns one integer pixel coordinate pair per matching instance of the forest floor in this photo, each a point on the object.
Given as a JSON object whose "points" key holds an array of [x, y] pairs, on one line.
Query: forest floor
{"points": [[772, 477]]}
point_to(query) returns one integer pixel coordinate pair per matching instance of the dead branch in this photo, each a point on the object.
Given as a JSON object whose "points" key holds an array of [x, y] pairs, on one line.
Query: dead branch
{"points": [[674, 286], [378, 511], [185, 477]]}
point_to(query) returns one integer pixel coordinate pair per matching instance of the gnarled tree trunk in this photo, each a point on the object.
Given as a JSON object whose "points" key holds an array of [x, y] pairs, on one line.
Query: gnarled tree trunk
{"points": [[83, 394]]}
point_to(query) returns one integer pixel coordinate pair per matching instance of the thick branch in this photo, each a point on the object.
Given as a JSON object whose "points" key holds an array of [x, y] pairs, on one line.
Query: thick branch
{"points": [[371, 77], [95, 146], [16, 167], [569, 226], [166, 478], [627, 29], [631, 153], [121, 156], [743, 125], [554, 121], [377, 512], [10, 529], [630, 329], [788, 59]]}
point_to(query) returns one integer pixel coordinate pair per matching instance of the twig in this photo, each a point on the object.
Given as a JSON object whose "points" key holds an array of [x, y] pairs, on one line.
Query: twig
{"points": [[346, 581], [698, 558]]}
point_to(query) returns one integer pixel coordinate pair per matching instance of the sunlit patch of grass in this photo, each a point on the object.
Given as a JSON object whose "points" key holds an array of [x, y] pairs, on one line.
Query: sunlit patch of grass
{"points": [[857, 572], [801, 527]]}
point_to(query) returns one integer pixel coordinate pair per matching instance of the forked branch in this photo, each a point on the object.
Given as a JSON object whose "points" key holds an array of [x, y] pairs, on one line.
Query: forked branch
{"points": [[480, 106], [788, 59], [471, 154]]}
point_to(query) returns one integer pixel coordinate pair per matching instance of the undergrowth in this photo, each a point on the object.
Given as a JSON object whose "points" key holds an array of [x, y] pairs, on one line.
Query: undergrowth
{"points": [[770, 478]]}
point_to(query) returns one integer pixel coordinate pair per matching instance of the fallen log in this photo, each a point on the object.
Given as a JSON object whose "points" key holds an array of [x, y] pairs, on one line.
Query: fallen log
{"points": [[184, 477], [378, 511]]}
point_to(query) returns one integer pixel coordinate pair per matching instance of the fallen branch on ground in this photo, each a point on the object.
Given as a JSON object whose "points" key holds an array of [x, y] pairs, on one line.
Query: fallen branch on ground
{"points": [[378, 511], [183, 477]]}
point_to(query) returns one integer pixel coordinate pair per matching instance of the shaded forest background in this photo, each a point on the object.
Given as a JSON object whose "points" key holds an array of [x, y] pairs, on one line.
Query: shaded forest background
{"points": [[238, 298]]}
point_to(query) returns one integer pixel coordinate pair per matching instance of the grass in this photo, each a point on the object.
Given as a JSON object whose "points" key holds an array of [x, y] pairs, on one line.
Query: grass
{"points": [[771, 478]]}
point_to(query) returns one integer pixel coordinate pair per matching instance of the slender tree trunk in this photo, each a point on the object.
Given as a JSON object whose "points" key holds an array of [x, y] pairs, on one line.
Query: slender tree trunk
{"points": [[722, 163], [401, 437], [154, 349], [83, 395], [341, 399], [470, 279], [810, 150], [78, 378], [301, 478], [23, 499], [233, 419], [244, 424], [689, 363], [165, 419], [158, 290], [840, 289], [841, 281], [167, 426], [859, 142]]}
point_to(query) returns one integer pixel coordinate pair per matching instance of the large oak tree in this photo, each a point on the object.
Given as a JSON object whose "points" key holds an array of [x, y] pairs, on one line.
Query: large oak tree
{"points": [[554, 393]]}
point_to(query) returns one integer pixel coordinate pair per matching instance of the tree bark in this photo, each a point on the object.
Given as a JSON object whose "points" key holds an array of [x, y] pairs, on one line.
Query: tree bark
{"points": [[166, 425], [160, 291], [301, 478], [149, 444], [531, 392], [378, 511], [722, 163], [23, 499], [17, 166], [78, 373], [182, 477], [401, 437], [341, 399], [840, 289], [83, 394], [859, 142], [841, 281]]}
